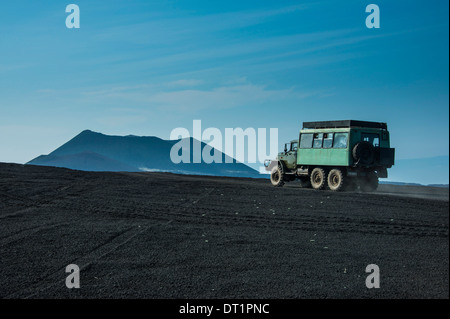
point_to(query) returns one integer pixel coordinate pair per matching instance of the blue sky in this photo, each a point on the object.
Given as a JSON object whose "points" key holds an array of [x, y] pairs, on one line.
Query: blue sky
{"points": [[146, 67]]}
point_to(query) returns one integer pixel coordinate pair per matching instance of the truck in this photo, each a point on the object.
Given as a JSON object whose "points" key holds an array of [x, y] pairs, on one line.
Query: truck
{"points": [[335, 155]]}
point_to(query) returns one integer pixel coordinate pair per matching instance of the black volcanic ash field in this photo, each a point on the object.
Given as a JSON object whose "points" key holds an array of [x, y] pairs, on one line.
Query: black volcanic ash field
{"points": [[154, 235]]}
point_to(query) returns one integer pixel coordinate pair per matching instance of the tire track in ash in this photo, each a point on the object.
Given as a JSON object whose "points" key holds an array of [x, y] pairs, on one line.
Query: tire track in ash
{"points": [[35, 207], [202, 196], [22, 234], [324, 215], [217, 212], [57, 277], [348, 224], [208, 215], [69, 191], [31, 204]]}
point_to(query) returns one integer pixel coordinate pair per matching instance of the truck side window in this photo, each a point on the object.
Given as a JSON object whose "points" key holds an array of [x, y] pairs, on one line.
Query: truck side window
{"points": [[318, 137], [294, 146], [340, 140], [372, 138], [327, 140], [306, 140], [376, 141]]}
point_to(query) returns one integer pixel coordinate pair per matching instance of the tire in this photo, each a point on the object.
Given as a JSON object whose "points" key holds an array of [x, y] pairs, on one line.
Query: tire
{"points": [[318, 178], [276, 177], [369, 183], [336, 180], [364, 153]]}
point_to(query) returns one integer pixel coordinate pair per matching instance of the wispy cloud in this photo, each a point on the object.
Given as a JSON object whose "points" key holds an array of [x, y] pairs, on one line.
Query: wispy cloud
{"points": [[191, 100], [184, 83], [126, 90], [190, 24], [14, 67], [240, 53]]}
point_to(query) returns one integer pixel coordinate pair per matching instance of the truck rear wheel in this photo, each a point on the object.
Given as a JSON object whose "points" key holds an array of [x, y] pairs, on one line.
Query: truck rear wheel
{"points": [[276, 177], [318, 178], [336, 180]]}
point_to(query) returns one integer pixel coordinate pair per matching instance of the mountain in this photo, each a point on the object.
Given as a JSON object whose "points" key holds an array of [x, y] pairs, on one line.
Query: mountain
{"points": [[92, 151]]}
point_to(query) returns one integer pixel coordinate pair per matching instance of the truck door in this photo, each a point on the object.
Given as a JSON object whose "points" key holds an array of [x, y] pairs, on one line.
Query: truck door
{"points": [[291, 155]]}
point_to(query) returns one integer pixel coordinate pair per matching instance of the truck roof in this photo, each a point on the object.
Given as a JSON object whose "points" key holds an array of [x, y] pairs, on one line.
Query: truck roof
{"points": [[344, 124]]}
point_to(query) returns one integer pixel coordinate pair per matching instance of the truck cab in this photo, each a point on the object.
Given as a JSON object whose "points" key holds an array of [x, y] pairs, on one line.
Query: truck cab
{"points": [[289, 155]]}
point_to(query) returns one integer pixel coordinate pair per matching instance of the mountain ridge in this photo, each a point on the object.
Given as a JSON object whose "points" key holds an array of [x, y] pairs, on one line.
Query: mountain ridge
{"points": [[95, 151]]}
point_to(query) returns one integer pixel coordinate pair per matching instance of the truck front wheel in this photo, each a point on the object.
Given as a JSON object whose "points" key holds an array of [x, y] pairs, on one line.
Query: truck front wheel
{"points": [[276, 177]]}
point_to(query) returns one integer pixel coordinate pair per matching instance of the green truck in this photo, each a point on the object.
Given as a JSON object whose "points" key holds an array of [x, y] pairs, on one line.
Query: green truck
{"points": [[335, 155]]}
